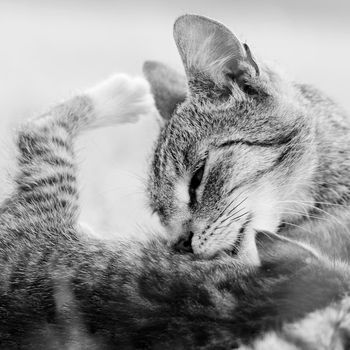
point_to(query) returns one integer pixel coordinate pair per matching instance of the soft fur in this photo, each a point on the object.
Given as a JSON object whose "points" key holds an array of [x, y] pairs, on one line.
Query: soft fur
{"points": [[61, 289]]}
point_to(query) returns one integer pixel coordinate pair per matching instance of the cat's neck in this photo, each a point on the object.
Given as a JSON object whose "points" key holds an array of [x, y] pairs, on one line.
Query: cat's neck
{"points": [[331, 176]]}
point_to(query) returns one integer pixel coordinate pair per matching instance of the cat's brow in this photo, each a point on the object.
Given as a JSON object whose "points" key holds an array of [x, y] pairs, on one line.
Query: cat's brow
{"points": [[268, 143], [278, 141], [229, 143]]}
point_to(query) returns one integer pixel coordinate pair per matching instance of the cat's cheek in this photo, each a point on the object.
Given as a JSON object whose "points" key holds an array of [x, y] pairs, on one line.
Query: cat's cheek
{"points": [[268, 222], [263, 206]]}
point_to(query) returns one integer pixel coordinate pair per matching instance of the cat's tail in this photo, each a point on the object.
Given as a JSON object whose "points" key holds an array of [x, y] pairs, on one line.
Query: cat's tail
{"points": [[46, 193]]}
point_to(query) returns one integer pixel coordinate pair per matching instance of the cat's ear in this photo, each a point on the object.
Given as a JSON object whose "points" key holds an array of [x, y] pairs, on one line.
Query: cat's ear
{"points": [[274, 247], [168, 87], [209, 48]]}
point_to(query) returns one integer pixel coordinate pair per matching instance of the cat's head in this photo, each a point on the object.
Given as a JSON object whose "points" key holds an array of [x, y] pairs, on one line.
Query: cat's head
{"points": [[235, 149]]}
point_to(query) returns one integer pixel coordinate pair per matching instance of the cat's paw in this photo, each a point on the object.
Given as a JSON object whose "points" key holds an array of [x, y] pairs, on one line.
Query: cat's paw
{"points": [[120, 99]]}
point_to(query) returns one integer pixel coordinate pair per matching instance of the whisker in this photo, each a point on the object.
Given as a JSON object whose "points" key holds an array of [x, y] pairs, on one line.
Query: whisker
{"points": [[303, 245], [298, 226], [334, 204], [232, 217], [325, 203], [239, 216], [215, 225], [222, 227], [222, 212], [308, 215], [325, 212], [240, 203]]}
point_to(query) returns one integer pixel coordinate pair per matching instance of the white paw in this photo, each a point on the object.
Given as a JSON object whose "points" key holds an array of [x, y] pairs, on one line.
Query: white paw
{"points": [[84, 229], [120, 99]]}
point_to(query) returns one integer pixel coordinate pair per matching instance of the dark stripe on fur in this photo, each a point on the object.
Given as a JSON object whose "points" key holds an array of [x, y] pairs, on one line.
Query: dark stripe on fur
{"points": [[284, 139]]}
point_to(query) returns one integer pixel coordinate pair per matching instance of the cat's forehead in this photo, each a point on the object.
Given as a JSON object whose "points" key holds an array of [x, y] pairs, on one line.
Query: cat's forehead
{"points": [[195, 121], [202, 121]]}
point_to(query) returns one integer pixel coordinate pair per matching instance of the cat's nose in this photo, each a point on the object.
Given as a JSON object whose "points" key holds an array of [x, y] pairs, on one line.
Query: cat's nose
{"points": [[184, 244]]}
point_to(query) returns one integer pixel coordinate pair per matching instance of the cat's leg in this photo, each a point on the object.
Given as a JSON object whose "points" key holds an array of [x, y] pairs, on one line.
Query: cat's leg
{"points": [[45, 197]]}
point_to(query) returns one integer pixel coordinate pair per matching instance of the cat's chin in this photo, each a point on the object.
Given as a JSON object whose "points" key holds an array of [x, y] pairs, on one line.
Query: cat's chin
{"points": [[239, 239], [245, 249]]}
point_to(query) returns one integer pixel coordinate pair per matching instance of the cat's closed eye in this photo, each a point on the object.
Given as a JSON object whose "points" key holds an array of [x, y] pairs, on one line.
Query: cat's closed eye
{"points": [[195, 182]]}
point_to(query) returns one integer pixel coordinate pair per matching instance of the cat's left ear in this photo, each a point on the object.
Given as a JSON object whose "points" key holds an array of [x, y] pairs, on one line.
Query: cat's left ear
{"points": [[169, 88], [209, 48]]}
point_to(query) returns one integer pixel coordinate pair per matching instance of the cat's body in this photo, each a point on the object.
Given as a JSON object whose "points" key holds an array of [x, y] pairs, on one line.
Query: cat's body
{"points": [[63, 290]]}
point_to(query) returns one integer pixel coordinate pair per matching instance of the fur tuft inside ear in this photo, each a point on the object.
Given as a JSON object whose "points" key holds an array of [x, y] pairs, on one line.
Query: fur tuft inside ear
{"points": [[169, 87], [208, 47]]}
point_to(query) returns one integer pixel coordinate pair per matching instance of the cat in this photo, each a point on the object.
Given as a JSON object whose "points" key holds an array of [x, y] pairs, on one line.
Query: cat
{"points": [[243, 149], [62, 289]]}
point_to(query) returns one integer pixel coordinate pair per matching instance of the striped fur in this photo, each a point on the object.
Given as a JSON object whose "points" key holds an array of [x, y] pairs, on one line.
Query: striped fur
{"points": [[63, 290], [60, 289]]}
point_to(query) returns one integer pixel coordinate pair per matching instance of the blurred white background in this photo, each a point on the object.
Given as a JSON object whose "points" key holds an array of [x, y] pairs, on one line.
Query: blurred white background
{"points": [[49, 49]]}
